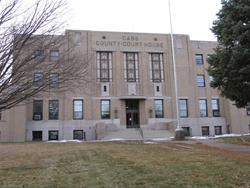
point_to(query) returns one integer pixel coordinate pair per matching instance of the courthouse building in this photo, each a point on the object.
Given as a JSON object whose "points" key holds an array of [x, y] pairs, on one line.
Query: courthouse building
{"points": [[131, 86]]}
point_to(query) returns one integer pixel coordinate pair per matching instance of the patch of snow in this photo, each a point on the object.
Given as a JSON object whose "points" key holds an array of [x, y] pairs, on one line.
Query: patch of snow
{"points": [[199, 137], [160, 139], [148, 142], [117, 139], [217, 136], [230, 135], [63, 141]]}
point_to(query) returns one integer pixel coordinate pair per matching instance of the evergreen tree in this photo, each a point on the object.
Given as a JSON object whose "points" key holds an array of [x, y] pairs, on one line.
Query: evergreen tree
{"points": [[230, 64]]}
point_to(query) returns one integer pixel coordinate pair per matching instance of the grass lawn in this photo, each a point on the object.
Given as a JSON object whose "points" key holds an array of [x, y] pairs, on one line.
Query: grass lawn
{"points": [[121, 164], [241, 140]]}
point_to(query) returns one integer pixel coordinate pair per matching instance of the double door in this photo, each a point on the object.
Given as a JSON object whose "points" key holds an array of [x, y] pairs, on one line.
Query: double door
{"points": [[132, 114]]}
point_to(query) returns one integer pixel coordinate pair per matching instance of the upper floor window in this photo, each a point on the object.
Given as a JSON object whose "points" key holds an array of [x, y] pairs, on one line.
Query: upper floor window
{"points": [[199, 59], [248, 110], [203, 107], [37, 109], [105, 109], [54, 55], [159, 108], [183, 108], [54, 80], [39, 55], [77, 109], [38, 78], [156, 67], [200, 80], [104, 66], [131, 66], [215, 107], [53, 109]]}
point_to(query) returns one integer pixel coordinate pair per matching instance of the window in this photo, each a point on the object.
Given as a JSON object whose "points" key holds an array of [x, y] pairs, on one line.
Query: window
{"points": [[77, 109], [38, 79], [183, 108], [37, 110], [186, 131], [215, 107], [248, 110], [205, 130], [78, 135], [203, 107], [217, 130], [0, 115], [200, 80], [37, 135], [54, 80], [131, 66], [39, 55], [54, 55], [53, 135], [159, 108], [199, 59], [157, 88], [105, 109], [53, 109], [156, 67], [104, 66], [249, 128]]}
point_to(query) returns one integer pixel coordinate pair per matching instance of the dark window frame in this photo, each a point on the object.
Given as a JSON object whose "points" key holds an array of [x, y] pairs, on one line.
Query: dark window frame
{"points": [[154, 69], [39, 56], [216, 130], [52, 57], [206, 115], [83, 135], [35, 114], [198, 83], [215, 112], [105, 114], [37, 139], [52, 117], [74, 118], [205, 132], [54, 83], [186, 110], [248, 110], [38, 82], [129, 70], [159, 113], [199, 60], [51, 131], [106, 61], [187, 131]]}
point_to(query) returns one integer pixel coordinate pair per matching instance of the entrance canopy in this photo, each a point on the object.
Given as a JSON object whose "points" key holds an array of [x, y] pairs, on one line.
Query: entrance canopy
{"points": [[132, 97]]}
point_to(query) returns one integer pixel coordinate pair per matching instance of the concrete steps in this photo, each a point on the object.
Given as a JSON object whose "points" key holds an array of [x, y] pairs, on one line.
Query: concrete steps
{"points": [[136, 134]]}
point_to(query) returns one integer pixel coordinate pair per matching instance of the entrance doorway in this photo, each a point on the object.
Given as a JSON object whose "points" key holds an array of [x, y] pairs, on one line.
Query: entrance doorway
{"points": [[132, 114]]}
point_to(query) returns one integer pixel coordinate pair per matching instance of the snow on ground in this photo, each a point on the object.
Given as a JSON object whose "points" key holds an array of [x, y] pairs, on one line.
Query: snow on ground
{"points": [[216, 136], [64, 141], [154, 140]]}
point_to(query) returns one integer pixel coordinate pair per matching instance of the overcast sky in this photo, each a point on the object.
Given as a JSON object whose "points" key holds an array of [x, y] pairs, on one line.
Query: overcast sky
{"points": [[193, 17]]}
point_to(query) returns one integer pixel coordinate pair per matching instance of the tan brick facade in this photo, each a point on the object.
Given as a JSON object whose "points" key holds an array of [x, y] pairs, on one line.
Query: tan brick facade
{"points": [[135, 103]]}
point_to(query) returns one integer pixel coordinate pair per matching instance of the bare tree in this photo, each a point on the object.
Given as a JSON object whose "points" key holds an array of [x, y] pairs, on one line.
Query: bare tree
{"points": [[33, 58]]}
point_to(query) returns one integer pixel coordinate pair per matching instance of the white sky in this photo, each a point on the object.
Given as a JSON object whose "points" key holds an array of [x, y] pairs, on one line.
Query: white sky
{"points": [[192, 17]]}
